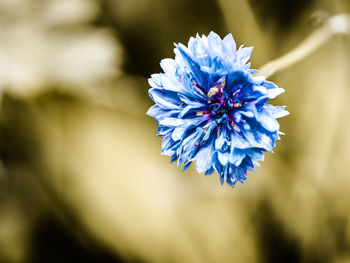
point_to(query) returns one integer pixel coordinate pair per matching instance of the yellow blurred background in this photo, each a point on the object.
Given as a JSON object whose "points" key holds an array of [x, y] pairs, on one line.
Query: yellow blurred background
{"points": [[81, 175]]}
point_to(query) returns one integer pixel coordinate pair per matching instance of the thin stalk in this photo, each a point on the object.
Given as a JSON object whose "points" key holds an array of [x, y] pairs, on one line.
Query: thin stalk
{"points": [[336, 25]]}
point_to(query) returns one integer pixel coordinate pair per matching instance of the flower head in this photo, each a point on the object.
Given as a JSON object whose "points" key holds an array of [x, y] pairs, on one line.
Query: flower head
{"points": [[212, 109]]}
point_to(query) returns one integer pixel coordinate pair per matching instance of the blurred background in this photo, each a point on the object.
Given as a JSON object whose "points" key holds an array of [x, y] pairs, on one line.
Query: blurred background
{"points": [[81, 175]]}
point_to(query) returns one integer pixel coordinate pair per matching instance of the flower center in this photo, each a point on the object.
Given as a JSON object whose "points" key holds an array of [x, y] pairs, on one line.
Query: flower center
{"points": [[223, 103]]}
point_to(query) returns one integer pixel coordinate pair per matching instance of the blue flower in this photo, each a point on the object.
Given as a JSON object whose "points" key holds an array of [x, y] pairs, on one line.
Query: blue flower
{"points": [[212, 109]]}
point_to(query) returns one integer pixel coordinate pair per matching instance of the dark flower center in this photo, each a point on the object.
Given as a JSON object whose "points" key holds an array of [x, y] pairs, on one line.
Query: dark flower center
{"points": [[223, 103]]}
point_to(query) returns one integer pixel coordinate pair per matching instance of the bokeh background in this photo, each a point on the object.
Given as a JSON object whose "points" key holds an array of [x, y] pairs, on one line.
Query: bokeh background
{"points": [[81, 175]]}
